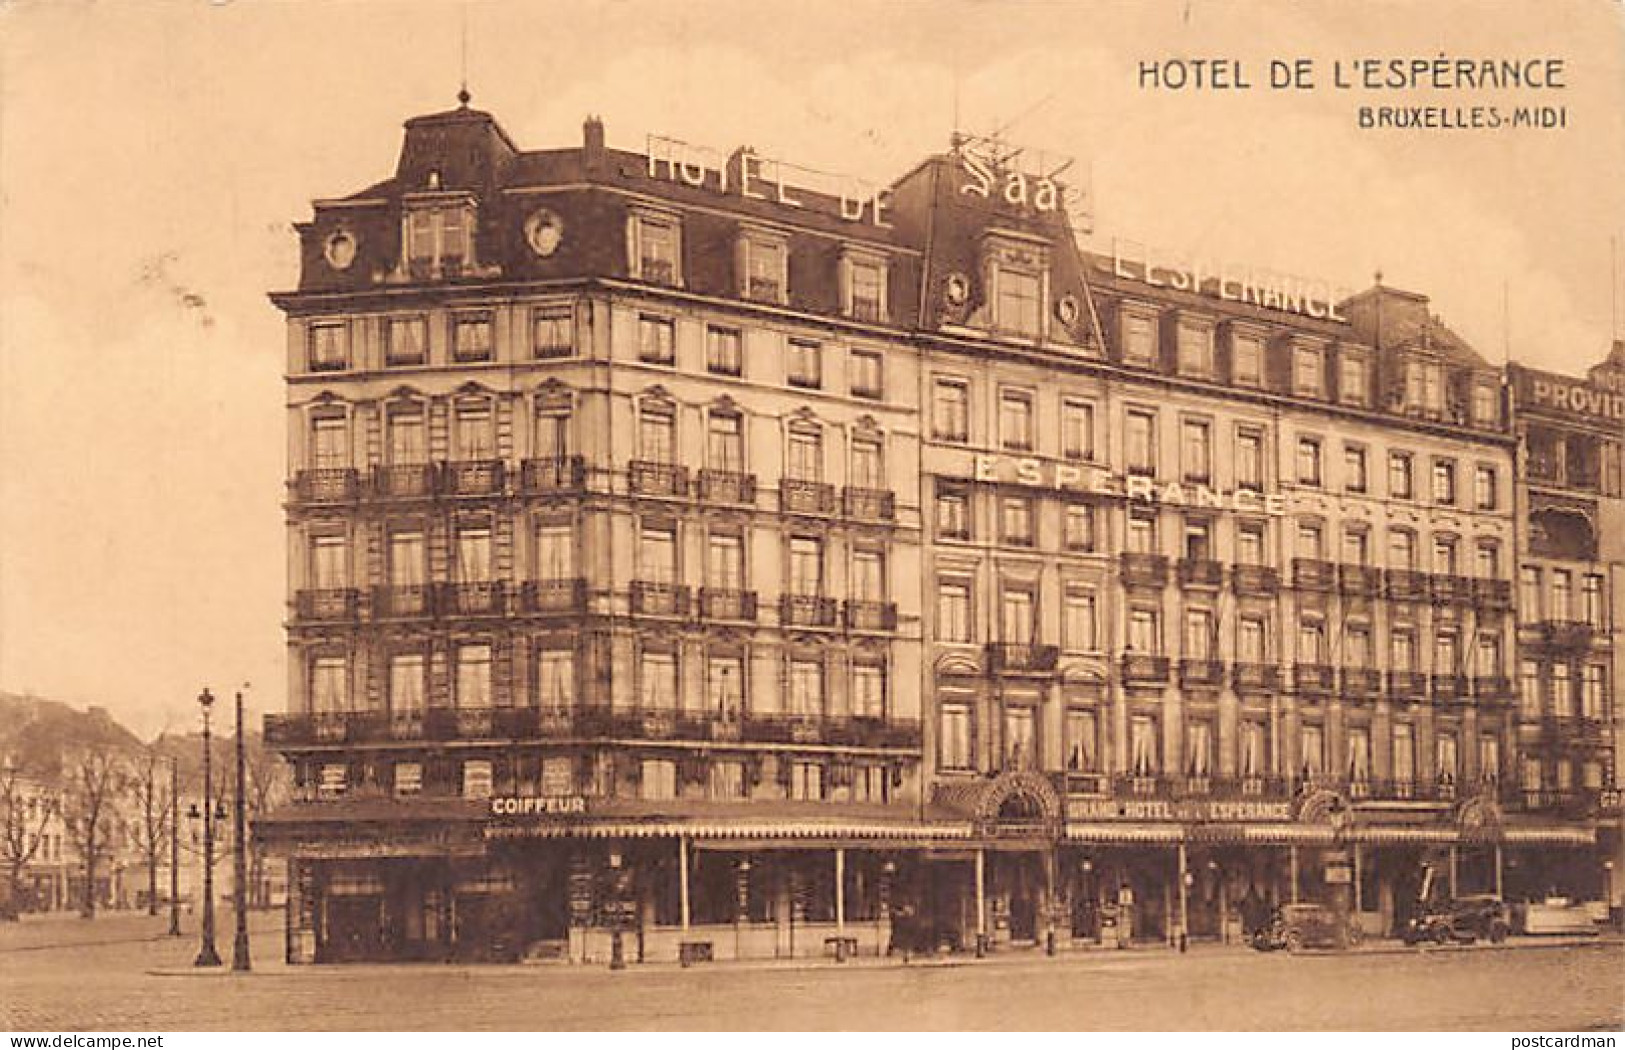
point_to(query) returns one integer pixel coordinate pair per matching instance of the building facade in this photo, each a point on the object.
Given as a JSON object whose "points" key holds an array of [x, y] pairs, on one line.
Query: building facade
{"points": [[690, 557]]}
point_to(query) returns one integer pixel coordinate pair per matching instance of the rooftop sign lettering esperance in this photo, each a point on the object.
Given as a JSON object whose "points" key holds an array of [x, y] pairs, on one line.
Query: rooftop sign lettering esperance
{"points": [[763, 179], [1228, 281], [1085, 477], [1183, 810]]}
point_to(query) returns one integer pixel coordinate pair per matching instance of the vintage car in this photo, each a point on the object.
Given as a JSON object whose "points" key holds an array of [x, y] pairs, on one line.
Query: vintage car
{"points": [[1297, 926], [1461, 920]]}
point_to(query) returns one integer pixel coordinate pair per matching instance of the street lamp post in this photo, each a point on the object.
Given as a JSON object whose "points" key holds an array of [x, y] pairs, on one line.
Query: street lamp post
{"points": [[239, 946], [207, 955], [174, 846]]}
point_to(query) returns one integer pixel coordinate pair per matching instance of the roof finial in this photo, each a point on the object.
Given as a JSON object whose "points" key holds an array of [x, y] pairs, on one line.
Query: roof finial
{"points": [[463, 97], [1379, 278]]}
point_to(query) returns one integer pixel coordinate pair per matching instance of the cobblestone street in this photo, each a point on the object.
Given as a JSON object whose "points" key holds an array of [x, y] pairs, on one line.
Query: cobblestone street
{"points": [[141, 981]]}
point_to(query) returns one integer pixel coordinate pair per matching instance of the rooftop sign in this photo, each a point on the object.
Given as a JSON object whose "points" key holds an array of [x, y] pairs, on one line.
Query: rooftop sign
{"points": [[1228, 281], [1086, 477], [746, 174], [1561, 395]]}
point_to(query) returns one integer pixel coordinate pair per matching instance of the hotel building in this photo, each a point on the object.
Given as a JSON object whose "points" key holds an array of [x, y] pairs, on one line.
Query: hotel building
{"points": [[690, 557]]}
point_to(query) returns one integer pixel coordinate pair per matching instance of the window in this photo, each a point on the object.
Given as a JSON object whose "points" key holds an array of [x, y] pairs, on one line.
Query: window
{"points": [[1530, 593], [766, 274], [329, 684], [725, 442], [471, 338], [1444, 482], [953, 610], [406, 341], [472, 564], [1142, 532], [1016, 521], [408, 778], [1351, 378], [1312, 744], [1402, 649], [1199, 634], [1077, 429], [1359, 745], [1195, 349], [330, 442], [656, 254], [868, 690], [1488, 560], [1140, 442], [1402, 549], [1486, 405], [656, 340], [1144, 630], [438, 238], [806, 448], [406, 681], [868, 463], [1562, 603], [1078, 624], [1593, 608], [1404, 753], [806, 688], [1016, 420], [868, 583], [552, 431], [1311, 540], [1139, 339], [473, 676], [950, 419], [657, 553], [1354, 468], [1562, 691], [552, 332], [1198, 540], [1311, 642], [477, 778], [867, 378], [1446, 556], [865, 288], [329, 562], [1018, 616], [1252, 644], [1018, 737], [407, 558], [1199, 748], [725, 562], [1247, 359], [408, 440], [1446, 653], [1309, 461], [1307, 371], [1485, 488], [1250, 458], [657, 780], [1079, 527], [1196, 449], [725, 687], [555, 680], [1401, 476], [1489, 757], [657, 432], [1145, 750], [657, 681], [1082, 741], [723, 355], [953, 514], [727, 780], [1254, 757], [805, 367], [806, 565], [806, 781], [1356, 546], [1593, 686], [1489, 654], [1018, 309], [474, 435]]}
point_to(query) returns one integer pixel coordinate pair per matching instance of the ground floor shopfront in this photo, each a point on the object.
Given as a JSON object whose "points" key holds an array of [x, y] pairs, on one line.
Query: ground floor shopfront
{"points": [[1007, 871]]}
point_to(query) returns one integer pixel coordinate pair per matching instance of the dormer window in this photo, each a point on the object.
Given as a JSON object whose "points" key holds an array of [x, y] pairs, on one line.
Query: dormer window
{"points": [[654, 246], [1424, 387], [1138, 333], [863, 285], [439, 235], [1018, 307], [1017, 271], [1246, 357], [1486, 405], [1195, 347], [1307, 371], [763, 265], [1352, 387]]}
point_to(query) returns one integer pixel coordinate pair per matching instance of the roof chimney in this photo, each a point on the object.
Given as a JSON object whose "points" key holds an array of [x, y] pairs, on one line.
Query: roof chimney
{"points": [[592, 139]]}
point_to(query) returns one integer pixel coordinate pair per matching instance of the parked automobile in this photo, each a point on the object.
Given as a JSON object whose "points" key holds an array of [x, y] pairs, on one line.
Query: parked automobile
{"points": [[1461, 920], [1297, 926]]}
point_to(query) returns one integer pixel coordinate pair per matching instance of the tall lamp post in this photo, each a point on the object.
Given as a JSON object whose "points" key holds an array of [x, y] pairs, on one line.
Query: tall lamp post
{"points": [[174, 846], [239, 946], [207, 955]]}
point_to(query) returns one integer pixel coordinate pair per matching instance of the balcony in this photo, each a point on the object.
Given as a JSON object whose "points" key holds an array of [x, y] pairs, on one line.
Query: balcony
{"points": [[1451, 688], [1493, 689], [1017, 658], [286, 730], [806, 497], [658, 271], [1143, 570], [647, 478], [1564, 634], [1407, 584], [806, 610], [870, 504], [1255, 678], [558, 474], [476, 598], [1258, 581], [1361, 681], [727, 486], [403, 602], [864, 615], [650, 598], [473, 477], [1448, 589], [723, 604], [1314, 678], [1201, 672], [326, 485], [553, 596], [1409, 686], [1573, 730], [403, 481], [1201, 572], [326, 606], [1313, 574], [1362, 580], [1492, 594], [1144, 667]]}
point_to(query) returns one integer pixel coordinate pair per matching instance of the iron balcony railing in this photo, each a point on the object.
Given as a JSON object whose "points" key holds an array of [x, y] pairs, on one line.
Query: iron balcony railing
{"points": [[1257, 581], [652, 598], [1449, 589], [326, 605], [866, 615], [1143, 570], [408, 601], [647, 478], [1313, 574], [806, 497], [1201, 672], [1201, 572], [555, 474], [553, 596], [1406, 584], [1022, 657], [1362, 681], [727, 486], [870, 504], [1255, 677], [1144, 667], [1314, 678], [472, 598], [718, 603], [1361, 580], [806, 610], [473, 477], [326, 485]]}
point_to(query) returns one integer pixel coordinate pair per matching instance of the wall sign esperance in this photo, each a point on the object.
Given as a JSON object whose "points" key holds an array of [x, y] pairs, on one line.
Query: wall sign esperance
{"points": [[1084, 477]]}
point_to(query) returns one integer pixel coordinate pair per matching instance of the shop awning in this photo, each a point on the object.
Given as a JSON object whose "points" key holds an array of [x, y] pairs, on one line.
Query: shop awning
{"points": [[1549, 836], [1402, 836], [734, 830], [1169, 834]]}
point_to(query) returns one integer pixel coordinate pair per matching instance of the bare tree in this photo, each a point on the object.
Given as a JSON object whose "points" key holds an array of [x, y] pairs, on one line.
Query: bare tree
{"points": [[150, 794], [93, 779], [266, 787], [26, 806]]}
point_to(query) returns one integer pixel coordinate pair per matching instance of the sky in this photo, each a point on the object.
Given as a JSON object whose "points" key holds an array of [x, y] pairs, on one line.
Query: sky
{"points": [[153, 156]]}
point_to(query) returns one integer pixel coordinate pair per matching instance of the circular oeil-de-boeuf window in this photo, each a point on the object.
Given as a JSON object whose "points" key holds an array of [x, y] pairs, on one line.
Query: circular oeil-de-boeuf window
{"points": [[543, 232], [340, 249]]}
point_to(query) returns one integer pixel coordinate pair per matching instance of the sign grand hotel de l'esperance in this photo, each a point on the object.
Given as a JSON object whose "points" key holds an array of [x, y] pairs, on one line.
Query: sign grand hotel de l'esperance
{"points": [[768, 564]]}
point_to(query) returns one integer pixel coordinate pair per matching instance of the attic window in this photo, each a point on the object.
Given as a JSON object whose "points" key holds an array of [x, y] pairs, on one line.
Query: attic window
{"points": [[439, 238]]}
